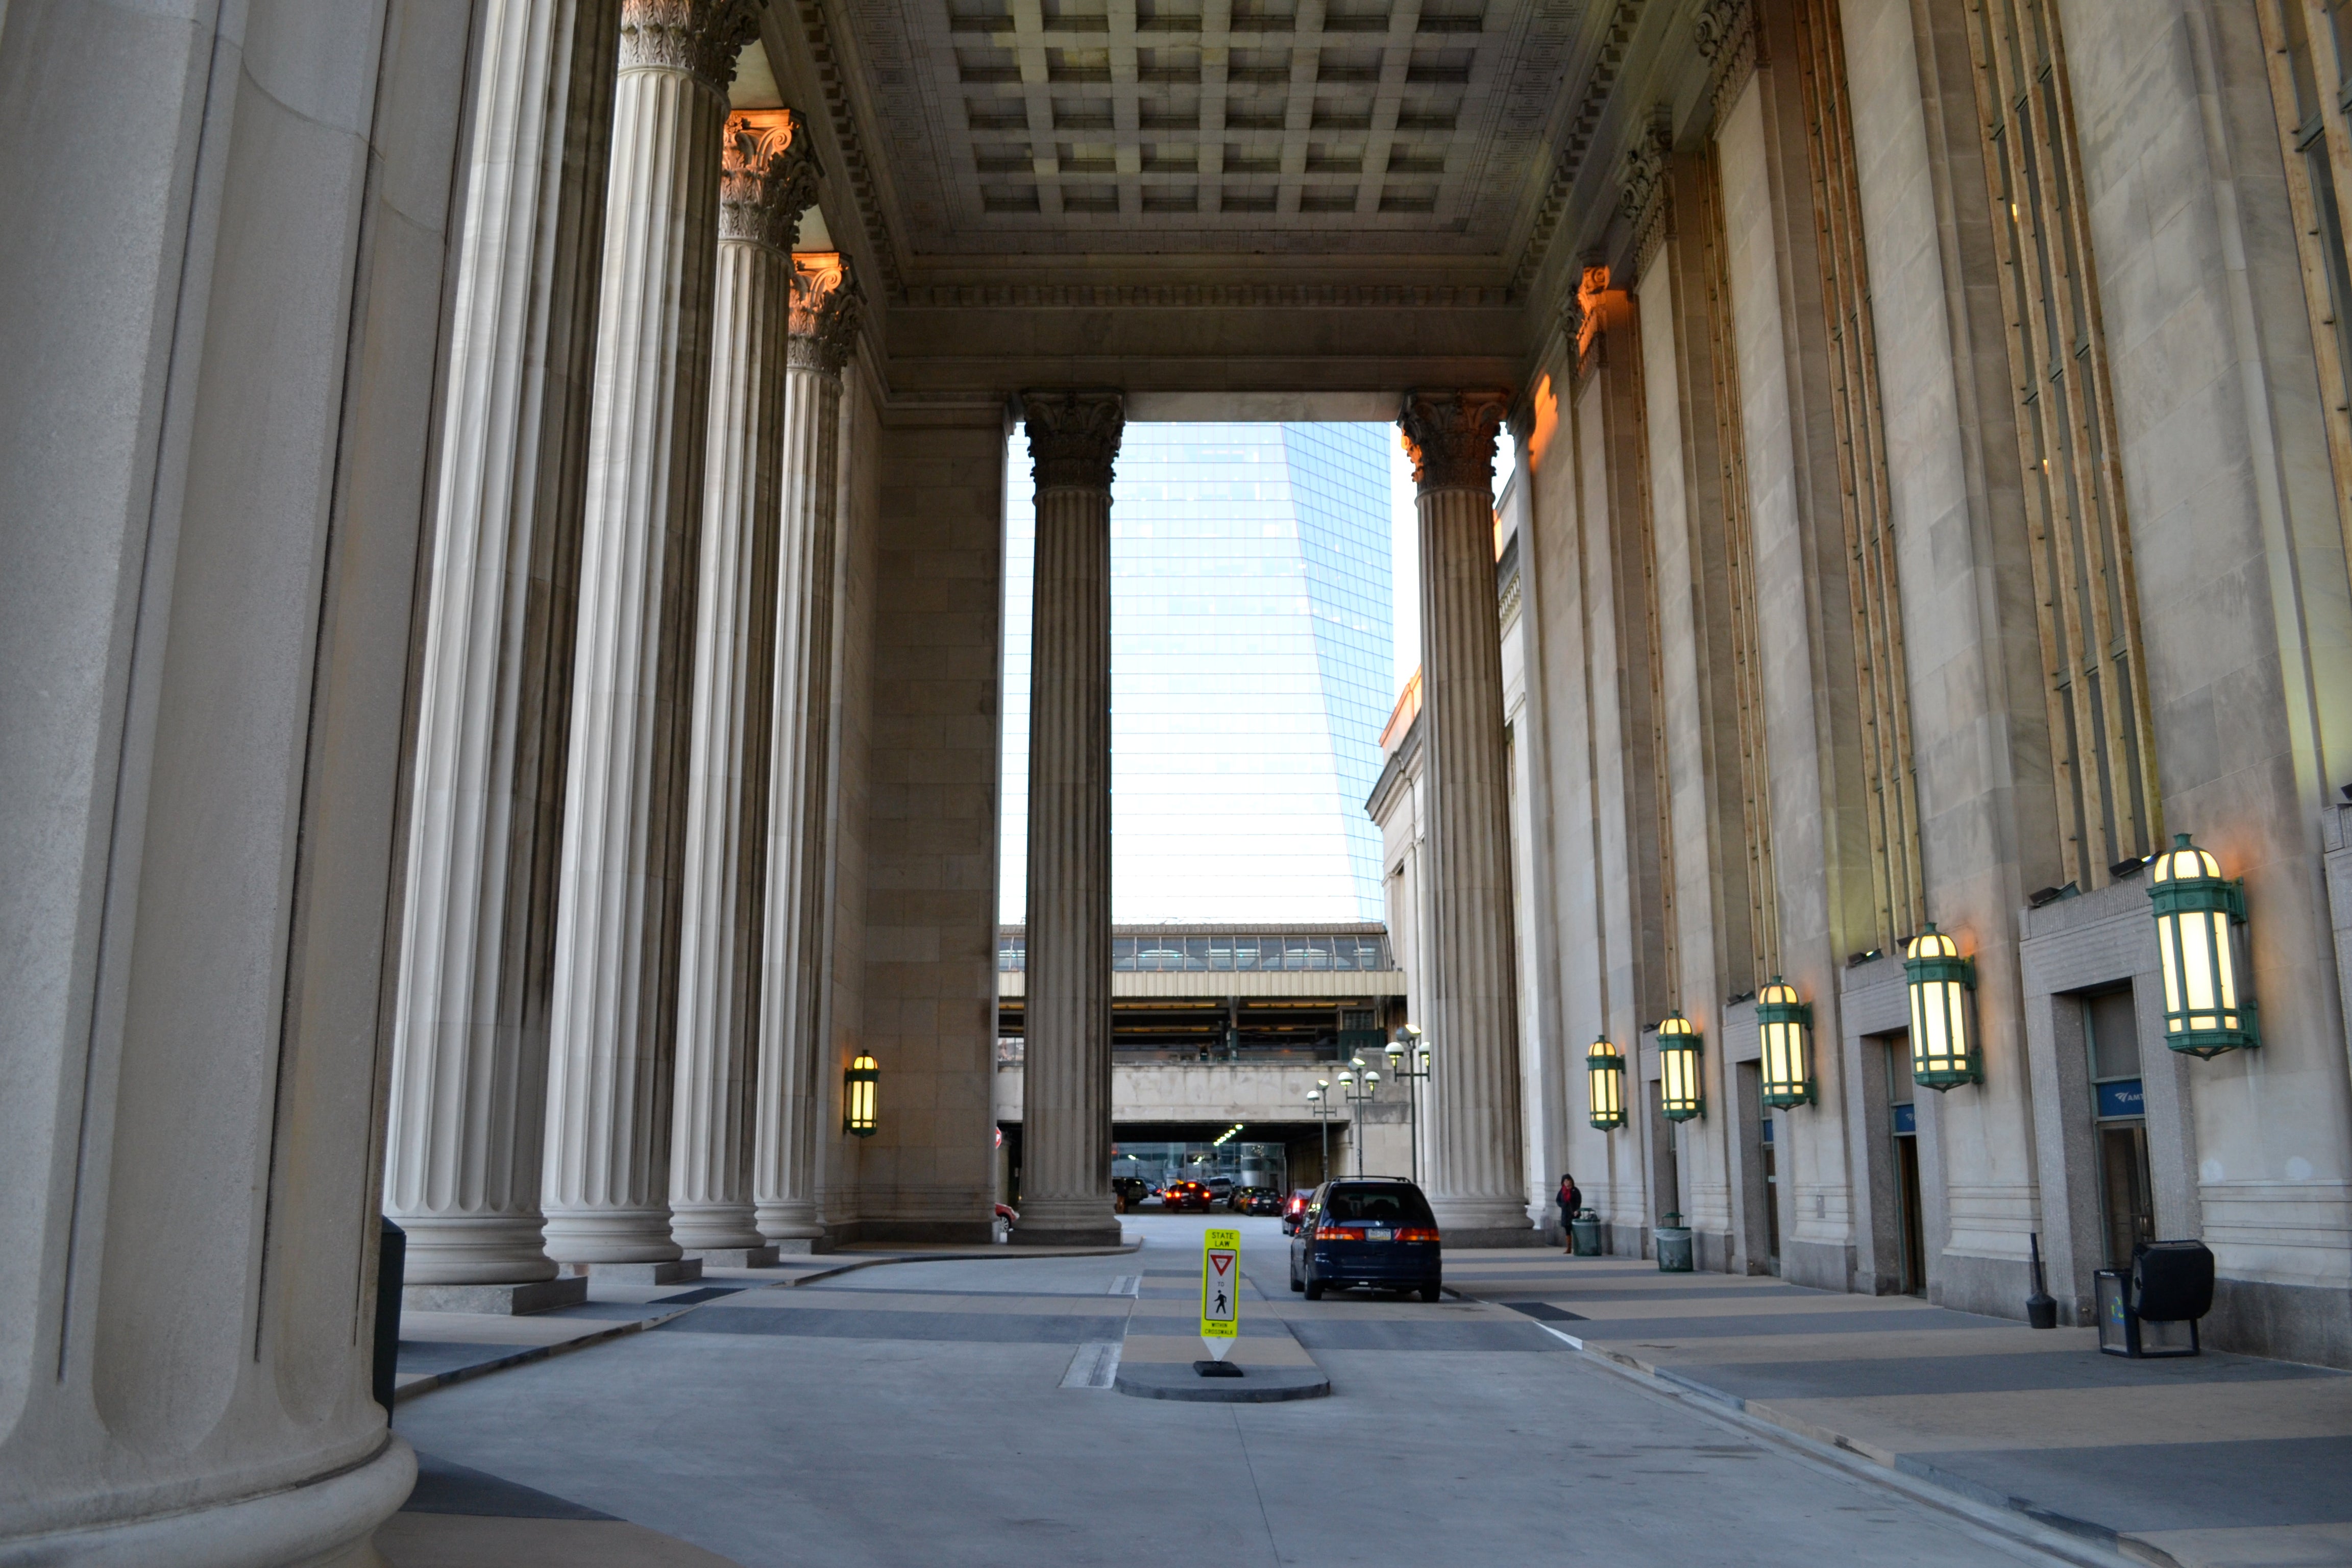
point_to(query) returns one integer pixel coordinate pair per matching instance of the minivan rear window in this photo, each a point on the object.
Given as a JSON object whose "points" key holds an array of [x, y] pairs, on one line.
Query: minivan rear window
{"points": [[1378, 1205]]}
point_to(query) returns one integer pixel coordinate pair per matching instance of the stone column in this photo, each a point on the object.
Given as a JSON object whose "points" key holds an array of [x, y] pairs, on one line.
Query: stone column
{"points": [[824, 319], [1476, 1178], [768, 179], [1066, 1096], [607, 1171], [469, 1091]]}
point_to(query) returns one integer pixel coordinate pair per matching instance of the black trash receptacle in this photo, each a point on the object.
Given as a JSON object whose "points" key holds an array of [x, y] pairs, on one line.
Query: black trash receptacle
{"points": [[391, 1263], [2153, 1309]]}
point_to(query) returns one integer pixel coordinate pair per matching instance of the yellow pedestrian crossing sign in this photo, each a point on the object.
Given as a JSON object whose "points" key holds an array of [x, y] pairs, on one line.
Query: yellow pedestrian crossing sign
{"points": [[1221, 1293]]}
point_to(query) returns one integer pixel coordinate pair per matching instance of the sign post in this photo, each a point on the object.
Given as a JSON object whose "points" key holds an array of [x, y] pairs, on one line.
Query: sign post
{"points": [[1221, 1301]]}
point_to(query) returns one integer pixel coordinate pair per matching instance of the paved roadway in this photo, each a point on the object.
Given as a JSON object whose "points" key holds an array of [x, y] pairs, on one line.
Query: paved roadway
{"points": [[917, 1413]]}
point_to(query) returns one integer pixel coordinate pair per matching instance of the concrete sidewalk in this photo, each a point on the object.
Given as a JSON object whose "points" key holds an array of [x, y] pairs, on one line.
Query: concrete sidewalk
{"points": [[2212, 1461]]}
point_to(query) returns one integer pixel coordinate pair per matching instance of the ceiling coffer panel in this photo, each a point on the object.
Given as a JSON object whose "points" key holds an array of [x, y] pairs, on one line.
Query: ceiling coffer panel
{"points": [[1046, 128]]}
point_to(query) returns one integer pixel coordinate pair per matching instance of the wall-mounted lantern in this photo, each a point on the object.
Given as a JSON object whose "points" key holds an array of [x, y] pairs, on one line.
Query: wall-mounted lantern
{"points": [[1604, 1070], [1942, 1027], [1679, 1091], [2201, 933], [858, 1097], [1788, 1035]]}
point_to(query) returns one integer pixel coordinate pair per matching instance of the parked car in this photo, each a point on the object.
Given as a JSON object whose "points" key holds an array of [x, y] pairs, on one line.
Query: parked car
{"points": [[1178, 1197], [1294, 1206], [1370, 1231], [1132, 1191]]}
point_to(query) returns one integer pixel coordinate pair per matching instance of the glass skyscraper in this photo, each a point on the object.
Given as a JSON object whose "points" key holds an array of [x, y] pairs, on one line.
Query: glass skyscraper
{"points": [[1250, 671]]}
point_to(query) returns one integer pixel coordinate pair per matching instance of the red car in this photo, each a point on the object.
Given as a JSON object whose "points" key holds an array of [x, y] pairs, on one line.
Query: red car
{"points": [[1180, 1195], [1294, 1206]]}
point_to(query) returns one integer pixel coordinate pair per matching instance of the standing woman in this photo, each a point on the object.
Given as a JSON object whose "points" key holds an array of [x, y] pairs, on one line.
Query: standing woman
{"points": [[1570, 1200]]}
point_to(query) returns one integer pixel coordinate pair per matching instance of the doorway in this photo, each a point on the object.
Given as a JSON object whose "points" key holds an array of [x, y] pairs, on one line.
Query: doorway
{"points": [[1771, 1197], [1911, 1247], [2127, 1195]]}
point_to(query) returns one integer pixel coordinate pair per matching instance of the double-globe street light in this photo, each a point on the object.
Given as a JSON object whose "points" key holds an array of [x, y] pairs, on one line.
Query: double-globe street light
{"points": [[1321, 1107], [1408, 1055], [1361, 1085]]}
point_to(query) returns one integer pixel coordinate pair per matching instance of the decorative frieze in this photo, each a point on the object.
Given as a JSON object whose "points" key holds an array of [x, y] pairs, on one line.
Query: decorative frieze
{"points": [[1074, 436], [700, 38], [1451, 437], [768, 175]]}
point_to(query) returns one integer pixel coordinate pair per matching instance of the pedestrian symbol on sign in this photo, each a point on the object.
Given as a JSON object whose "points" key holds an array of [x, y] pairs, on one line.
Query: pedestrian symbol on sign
{"points": [[1221, 1306]]}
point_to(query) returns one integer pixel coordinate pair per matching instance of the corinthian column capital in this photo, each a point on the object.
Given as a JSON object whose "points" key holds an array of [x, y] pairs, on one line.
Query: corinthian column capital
{"points": [[827, 306], [1450, 436], [700, 38], [1074, 436], [767, 176]]}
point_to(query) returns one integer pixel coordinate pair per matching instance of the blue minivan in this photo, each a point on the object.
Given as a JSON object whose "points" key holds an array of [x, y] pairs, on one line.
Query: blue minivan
{"points": [[1367, 1230]]}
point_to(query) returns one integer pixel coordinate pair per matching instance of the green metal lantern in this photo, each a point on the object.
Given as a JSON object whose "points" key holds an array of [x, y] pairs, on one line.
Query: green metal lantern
{"points": [[1680, 1093], [858, 1082], [1604, 1070], [1787, 1025], [2201, 925], [1943, 1022]]}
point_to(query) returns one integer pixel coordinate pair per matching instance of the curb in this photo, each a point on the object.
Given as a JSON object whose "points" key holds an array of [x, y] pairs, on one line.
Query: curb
{"points": [[1177, 1380], [2020, 1519], [528, 1353]]}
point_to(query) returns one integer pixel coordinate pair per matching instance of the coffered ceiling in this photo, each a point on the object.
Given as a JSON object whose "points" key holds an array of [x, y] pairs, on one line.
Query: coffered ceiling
{"points": [[1023, 130]]}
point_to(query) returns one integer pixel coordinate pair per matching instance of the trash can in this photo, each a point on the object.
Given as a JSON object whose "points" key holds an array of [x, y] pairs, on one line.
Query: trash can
{"points": [[2151, 1310], [1674, 1243], [1584, 1230], [391, 1264]]}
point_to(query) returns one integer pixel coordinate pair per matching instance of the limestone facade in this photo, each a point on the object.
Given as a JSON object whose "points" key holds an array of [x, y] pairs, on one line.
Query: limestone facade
{"points": [[490, 732]]}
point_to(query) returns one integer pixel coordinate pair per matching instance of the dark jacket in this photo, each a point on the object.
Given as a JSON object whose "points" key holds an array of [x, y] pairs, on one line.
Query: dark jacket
{"points": [[1572, 1198]]}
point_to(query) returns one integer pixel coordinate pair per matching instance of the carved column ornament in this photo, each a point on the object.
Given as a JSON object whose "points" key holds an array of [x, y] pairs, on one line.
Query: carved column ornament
{"points": [[1451, 437], [827, 308], [1073, 436], [768, 175], [700, 38]]}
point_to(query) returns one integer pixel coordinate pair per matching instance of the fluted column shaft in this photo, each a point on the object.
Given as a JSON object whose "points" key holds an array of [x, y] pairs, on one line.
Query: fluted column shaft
{"points": [[1477, 1176], [767, 178], [1065, 1113], [469, 1040], [825, 305], [607, 1169]]}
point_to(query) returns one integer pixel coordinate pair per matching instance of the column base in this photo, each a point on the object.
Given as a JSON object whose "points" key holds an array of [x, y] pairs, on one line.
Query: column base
{"points": [[762, 1256], [507, 1300], [474, 1249], [611, 1236], [1520, 1235], [673, 1271], [322, 1523], [796, 1246]]}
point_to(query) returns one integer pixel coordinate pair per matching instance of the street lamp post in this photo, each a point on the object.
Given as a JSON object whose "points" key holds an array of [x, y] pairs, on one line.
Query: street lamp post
{"points": [[1408, 1055], [1361, 1085], [1322, 1109]]}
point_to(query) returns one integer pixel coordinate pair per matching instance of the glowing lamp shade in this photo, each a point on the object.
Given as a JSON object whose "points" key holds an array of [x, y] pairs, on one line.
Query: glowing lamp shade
{"points": [[2200, 928], [1679, 1093], [1943, 1031], [1605, 1070], [1787, 1026], [858, 1097]]}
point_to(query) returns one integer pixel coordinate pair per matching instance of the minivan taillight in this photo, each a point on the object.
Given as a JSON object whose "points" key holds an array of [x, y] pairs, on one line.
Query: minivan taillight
{"points": [[1417, 1235], [1336, 1233]]}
